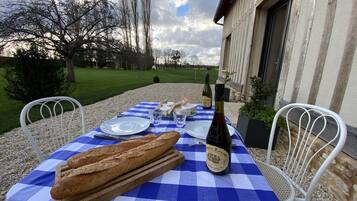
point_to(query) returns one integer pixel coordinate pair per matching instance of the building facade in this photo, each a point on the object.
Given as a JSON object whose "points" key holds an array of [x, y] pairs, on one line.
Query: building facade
{"points": [[306, 49]]}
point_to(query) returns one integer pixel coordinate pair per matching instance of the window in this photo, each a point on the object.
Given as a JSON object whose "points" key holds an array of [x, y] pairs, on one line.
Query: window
{"points": [[227, 48]]}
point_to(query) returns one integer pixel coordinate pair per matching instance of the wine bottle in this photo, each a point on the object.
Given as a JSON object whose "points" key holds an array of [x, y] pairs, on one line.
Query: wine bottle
{"points": [[218, 141], [207, 94]]}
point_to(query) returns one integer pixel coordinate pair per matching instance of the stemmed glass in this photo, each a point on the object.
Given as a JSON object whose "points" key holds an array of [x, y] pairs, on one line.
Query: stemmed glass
{"points": [[155, 118], [180, 119]]}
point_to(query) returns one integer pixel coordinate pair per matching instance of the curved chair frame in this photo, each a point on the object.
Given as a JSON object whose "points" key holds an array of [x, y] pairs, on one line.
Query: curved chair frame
{"points": [[300, 154], [56, 124]]}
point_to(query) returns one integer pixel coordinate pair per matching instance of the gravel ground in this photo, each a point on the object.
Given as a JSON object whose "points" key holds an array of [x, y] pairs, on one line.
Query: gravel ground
{"points": [[320, 192], [17, 158]]}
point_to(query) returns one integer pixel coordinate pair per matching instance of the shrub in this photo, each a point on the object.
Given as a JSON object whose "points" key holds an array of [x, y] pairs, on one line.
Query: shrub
{"points": [[255, 108], [156, 79], [33, 75]]}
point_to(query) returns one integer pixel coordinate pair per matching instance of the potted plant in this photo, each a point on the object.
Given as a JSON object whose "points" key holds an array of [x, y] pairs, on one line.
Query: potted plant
{"points": [[255, 118]]}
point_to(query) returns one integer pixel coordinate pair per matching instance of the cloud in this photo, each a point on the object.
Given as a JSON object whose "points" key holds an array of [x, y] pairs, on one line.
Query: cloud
{"points": [[209, 38], [193, 32], [179, 3]]}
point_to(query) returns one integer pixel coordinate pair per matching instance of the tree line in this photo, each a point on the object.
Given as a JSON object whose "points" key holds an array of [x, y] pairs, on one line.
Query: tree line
{"points": [[93, 31]]}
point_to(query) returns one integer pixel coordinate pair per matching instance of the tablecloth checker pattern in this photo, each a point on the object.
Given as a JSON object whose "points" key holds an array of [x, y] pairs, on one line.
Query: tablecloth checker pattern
{"points": [[190, 181]]}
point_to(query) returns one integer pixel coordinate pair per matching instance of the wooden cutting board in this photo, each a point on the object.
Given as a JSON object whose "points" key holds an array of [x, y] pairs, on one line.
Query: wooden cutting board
{"points": [[129, 180]]}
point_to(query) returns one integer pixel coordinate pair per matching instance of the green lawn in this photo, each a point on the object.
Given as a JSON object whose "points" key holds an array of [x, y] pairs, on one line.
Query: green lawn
{"points": [[96, 84]]}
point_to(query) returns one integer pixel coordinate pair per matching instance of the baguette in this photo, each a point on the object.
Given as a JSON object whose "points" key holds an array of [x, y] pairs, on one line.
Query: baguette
{"points": [[96, 174], [100, 153]]}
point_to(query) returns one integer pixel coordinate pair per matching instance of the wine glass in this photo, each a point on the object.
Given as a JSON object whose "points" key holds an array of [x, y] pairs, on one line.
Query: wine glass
{"points": [[180, 118], [155, 117]]}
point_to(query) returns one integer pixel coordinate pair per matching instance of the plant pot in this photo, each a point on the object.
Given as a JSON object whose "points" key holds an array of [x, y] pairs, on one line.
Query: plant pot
{"points": [[226, 94], [254, 132]]}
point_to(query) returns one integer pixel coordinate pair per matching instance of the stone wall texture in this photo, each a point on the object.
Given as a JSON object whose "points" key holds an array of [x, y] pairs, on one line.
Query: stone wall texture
{"points": [[341, 176]]}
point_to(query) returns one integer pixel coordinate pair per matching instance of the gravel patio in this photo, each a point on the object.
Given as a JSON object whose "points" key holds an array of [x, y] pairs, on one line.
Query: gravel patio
{"points": [[17, 158]]}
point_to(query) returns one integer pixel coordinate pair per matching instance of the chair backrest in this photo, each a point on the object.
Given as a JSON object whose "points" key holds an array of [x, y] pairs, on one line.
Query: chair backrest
{"points": [[57, 127], [311, 121]]}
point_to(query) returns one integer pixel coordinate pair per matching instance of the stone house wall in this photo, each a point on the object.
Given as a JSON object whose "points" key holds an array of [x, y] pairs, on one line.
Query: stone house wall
{"points": [[341, 176]]}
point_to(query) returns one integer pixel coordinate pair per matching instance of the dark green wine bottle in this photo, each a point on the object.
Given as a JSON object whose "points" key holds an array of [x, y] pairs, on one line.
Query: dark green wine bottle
{"points": [[207, 94], [218, 141]]}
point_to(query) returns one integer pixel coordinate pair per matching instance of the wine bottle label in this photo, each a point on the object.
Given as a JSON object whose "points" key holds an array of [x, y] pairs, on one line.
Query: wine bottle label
{"points": [[206, 101], [217, 159]]}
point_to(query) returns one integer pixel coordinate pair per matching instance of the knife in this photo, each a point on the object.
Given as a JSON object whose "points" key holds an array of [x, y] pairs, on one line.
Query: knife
{"points": [[197, 141], [114, 137]]}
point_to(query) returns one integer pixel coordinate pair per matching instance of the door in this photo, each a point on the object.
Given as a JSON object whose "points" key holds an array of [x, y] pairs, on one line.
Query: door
{"points": [[274, 40]]}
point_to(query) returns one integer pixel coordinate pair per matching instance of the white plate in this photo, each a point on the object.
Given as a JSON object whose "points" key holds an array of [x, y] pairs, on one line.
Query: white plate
{"points": [[125, 125], [199, 129]]}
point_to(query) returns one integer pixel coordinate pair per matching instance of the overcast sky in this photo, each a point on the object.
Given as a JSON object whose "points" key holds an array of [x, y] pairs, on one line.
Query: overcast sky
{"points": [[187, 25]]}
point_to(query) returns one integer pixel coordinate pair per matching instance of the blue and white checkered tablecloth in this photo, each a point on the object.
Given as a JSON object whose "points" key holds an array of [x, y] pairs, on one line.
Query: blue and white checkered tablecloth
{"points": [[189, 181]]}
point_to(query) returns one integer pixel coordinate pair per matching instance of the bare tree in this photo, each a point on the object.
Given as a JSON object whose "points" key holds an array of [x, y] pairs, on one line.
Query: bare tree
{"points": [[128, 17], [176, 56], [135, 21], [1, 48], [183, 55], [64, 27], [126, 22], [146, 10], [166, 54], [157, 54]]}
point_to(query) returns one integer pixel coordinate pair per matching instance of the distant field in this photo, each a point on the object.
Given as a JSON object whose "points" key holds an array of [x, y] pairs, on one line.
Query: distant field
{"points": [[97, 84]]}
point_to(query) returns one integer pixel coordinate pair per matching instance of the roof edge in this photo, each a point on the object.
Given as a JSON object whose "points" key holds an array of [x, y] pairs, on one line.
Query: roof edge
{"points": [[222, 8]]}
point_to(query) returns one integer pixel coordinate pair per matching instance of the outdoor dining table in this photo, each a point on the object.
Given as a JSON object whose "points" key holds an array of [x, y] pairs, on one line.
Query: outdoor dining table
{"points": [[188, 181]]}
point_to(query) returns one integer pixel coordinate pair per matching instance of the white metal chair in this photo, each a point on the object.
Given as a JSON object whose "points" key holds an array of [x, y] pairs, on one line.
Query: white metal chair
{"points": [[279, 182], [57, 129], [302, 151]]}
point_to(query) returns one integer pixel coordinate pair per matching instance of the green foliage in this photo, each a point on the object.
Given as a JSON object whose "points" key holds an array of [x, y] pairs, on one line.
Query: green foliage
{"points": [[156, 79], [34, 76], [255, 108], [93, 85], [260, 93]]}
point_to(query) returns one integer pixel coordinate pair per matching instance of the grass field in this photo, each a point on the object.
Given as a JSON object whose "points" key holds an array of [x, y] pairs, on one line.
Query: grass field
{"points": [[97, 84]]}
